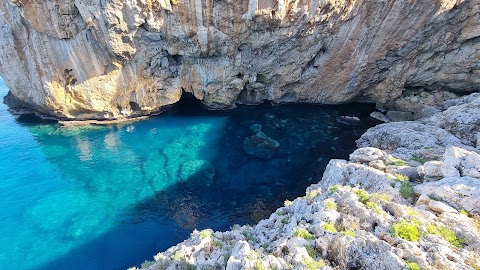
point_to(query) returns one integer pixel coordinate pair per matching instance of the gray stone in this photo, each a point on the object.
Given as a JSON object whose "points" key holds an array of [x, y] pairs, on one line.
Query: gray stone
{"points": [[397, 116], [380, 117], [260, 145]]}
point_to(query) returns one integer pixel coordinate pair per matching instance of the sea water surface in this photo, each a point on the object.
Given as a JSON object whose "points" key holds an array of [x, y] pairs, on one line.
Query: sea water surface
{"points": [[111, 197]]}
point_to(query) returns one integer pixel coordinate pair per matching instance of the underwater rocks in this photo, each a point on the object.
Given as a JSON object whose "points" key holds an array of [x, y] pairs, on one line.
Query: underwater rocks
{"points": [[260, 145], [362, 215], [197, 173], [116, 59]]}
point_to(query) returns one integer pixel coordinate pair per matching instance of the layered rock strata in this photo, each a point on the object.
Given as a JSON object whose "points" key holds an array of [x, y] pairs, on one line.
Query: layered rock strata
{"points": [[407, 199], [115, 59]]}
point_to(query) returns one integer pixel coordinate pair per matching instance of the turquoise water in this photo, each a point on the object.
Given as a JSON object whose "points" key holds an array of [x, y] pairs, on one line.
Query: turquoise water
{"points": [[111, 197]]}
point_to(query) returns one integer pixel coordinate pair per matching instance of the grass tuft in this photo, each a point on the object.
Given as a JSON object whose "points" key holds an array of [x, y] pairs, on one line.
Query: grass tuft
{"points": [[311, 264], [329, 227], [330, 204], [362, 195], [407, 230], [412, 266], [348, 233], [302, 233], [398, 162], [406, 190], [447, 234]]}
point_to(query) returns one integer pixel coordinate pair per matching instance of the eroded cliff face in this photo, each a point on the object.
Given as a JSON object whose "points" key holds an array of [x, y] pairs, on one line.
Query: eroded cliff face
{"points": [[109, 59]]}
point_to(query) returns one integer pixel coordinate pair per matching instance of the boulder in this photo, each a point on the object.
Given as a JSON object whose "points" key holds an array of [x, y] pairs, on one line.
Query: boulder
{"points": [[460, 162], [260, 145], [367, 154], [460, 192]]}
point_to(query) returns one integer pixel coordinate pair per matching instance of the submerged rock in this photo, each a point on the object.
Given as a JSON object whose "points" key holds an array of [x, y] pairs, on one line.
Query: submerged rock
{"points": [[197, 173], [260, 145]]}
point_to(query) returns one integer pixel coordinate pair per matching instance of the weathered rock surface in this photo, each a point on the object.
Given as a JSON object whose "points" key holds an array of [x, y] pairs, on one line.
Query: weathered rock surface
{"points": [[87, 59], [362, 216]]}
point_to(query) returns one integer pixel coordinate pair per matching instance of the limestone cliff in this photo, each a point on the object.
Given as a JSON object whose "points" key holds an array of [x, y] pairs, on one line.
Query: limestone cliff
{"points": [[111, 59]]}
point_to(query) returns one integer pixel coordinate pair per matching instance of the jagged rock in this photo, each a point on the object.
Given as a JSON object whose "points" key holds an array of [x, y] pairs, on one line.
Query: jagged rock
{"points": [[380, 117], [460, 192], [398, 116], [460, 162], [431, 170], [117, 59], [377, 164], [367, 154], [440, 207], [423, 199], [260, 145]]}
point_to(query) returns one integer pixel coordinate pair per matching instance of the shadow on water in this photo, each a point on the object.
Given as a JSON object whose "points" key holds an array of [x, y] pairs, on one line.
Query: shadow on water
{"points": [[132, 190]]}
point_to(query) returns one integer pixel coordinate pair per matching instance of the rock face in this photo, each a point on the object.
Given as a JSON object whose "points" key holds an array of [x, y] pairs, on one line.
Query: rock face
{"points": [[87, 59], [408, 198]]}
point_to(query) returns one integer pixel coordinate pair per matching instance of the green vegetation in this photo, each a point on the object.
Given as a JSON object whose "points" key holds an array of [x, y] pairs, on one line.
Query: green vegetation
{"points": [[406, 190], [446, 233], [311, 264], [248, 236], [412, 266], [330, 204], [348, 233], [265, 245], [287, 203], [397, 177], [285, 220], [362, 195], [398, 162], [463, 212], [218, 244], [178, 256], [259, 265], [205, 233], [314, 193], [374, 207], [407, 230], [311, 251], [302, 233], [333, 189], [382, 196], [410, 211], [280, 213], [329, 227], [420, 160]]}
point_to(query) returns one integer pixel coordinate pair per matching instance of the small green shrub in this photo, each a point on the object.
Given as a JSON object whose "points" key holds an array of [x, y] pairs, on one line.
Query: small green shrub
{"points": [[218, 244], [302, 233], [285, 220], [374, 207], [410, 211], [329, 227], [348, 233], [311, 251], [446, 233], [362, 195], [311, 264], [407, 230], [248, 236], [412, 266], [205, 233], [334, 188], [259, 265], [382, 196], [398, 162], [178, 256], [419, 159], [330, 204], [398, 177], [314, 193], [265, 245], [280, 213], [287, 203], [406, 190]]}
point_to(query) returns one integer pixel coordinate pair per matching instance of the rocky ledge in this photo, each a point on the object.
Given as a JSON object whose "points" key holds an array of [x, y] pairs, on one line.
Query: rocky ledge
{"points": [[409, 198]]}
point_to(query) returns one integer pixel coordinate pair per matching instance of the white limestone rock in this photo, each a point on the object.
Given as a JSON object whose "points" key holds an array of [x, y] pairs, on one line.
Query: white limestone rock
{"points": [[367, 154], [460, 192], [460, 162]]}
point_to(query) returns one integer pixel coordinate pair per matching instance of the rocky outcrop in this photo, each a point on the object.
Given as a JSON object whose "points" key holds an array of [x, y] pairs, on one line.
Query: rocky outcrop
{"points": [[113, 59], [407, 199]]}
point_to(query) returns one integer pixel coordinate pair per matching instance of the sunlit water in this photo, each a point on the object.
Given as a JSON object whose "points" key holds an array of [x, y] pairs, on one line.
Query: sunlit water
{"points": [[111, 197]]}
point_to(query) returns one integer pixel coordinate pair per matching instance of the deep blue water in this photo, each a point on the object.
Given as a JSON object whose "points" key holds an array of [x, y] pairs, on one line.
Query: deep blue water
{"points": [[111, 197]]}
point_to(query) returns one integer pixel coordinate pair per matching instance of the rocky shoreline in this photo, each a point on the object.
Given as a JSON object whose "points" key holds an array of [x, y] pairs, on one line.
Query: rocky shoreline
{"points": [[409, 198]]}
